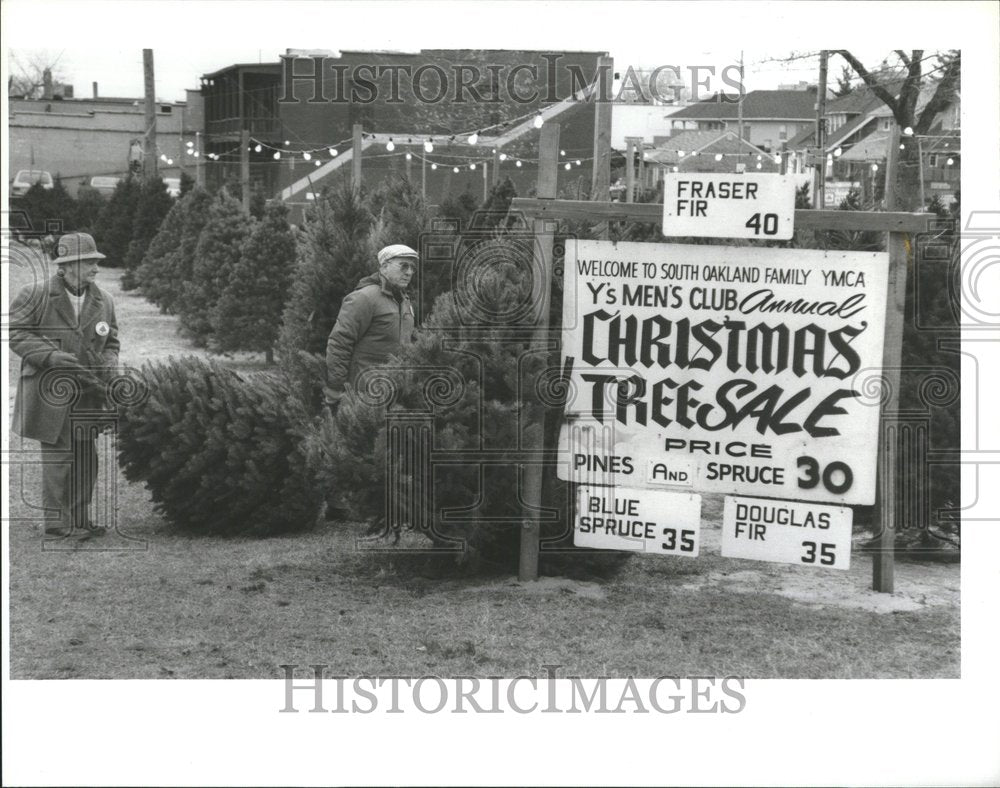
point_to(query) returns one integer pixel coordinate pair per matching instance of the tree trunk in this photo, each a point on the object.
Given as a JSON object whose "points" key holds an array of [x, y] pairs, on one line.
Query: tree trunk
{"points": [[907, 182]]}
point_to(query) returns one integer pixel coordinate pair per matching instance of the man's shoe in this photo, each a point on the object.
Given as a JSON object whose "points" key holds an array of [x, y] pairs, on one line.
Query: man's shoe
{"points": [[58, 530], [89, 529]]}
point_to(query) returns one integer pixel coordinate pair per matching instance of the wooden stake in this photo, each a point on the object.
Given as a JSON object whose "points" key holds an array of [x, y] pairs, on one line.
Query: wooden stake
{"points": [[356, 157], [548, 164], [245, 170]]}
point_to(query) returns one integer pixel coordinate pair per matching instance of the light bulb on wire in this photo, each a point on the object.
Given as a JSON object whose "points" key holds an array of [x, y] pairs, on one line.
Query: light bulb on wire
{"points": [[539, 121], [428, 146], [390, 146], [277, 155], [306, 155], [503, 157], [256, 148], [474, 138], [517, 163], [409, 156], [333, 151]]}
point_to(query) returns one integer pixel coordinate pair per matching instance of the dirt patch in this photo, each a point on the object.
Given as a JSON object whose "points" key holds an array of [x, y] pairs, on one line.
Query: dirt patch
{"points": [[544, 586]]}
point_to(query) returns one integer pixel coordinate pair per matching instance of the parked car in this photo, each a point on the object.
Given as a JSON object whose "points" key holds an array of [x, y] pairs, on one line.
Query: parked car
{"points": [[105, 184], [173, 186], [25, 179]]}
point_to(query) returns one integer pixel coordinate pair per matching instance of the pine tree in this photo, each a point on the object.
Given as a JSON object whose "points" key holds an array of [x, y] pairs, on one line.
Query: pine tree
{"points": [[153, 205], [216, 255], [476, 379], [248, 314], [400, 207], [155, 274], [89, 204], [47, 206], [113, 233], [334, 254], [221, 453]]}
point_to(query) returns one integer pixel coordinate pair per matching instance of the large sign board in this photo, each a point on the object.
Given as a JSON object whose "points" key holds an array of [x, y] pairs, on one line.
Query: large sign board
{"points": [[718, 369], [787, 532], [648, 521], [728, 205]]}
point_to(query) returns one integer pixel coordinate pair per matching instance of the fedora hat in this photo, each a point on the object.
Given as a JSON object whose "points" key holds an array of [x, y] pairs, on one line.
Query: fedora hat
{"points": [[76, 246]]}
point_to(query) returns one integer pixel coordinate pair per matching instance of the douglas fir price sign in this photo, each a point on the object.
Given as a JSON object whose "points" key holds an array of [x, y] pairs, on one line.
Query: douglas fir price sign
{"points": [[721, 369]]}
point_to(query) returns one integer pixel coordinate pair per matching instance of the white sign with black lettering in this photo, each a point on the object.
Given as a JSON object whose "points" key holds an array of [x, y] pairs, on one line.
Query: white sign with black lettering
{"points": [[744, 371], [729, 205], [645, 521], [787, 532]]}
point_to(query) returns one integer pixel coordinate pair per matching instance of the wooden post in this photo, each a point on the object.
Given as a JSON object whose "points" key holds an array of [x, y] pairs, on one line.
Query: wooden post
{"points": [[423, 178], [408, 158], [821, 129], [150, 160], [548, 164], [630, 169], [496, 166], [245, 170], [886, 509], [356, 157], [199, 168], [601, 174], [486, 180]]}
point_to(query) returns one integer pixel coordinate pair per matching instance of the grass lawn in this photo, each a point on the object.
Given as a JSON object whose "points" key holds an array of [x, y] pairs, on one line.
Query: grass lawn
{"points": [[149, 602]]}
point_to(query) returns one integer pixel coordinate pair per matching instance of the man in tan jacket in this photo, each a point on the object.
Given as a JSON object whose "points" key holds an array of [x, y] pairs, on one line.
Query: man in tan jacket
{"points": [[375, 321]]}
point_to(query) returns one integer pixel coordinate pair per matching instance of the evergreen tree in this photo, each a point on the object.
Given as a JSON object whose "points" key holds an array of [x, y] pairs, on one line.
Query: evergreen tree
{"points": [[153, 205], [215, 257], [478, 385], [89, 204], [187, 183], [401, 209], [45, 207], [221, 453], [113, 233], [334, 253], [248, 314], [155, 275], [459, 209]]}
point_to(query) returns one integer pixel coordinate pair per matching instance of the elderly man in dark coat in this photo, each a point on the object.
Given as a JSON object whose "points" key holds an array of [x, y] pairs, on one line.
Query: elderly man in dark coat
{"points": [[66, 334]]}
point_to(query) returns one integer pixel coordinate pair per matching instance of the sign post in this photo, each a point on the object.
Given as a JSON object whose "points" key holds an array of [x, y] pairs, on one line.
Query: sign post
{"points": [[884, 291]]}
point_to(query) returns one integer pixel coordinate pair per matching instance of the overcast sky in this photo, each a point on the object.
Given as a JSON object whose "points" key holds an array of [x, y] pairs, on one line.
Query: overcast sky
{"points": [[103, 41]]}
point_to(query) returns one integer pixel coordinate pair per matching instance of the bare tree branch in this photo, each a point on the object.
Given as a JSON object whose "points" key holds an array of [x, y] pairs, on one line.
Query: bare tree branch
{"points": [[903, 57], [870, 80], [947, 90]]}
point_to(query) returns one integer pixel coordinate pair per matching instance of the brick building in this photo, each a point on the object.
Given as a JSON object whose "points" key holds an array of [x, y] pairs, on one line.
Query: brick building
{"points": [[294, 128], [78, 138]]}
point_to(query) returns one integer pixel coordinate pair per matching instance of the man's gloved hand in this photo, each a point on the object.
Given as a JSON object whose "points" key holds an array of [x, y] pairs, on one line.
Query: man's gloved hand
{"points": [[63, 360]]}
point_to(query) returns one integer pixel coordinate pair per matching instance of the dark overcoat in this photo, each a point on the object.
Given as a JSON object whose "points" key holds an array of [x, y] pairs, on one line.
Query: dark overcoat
{"points": [[42, 322]]}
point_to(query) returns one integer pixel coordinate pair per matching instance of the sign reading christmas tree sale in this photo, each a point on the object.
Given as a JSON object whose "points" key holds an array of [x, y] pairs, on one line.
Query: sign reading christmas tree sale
{"points": [[749, 371]]}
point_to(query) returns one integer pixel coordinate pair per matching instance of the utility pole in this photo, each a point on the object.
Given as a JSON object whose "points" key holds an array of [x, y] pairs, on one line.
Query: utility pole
{"points": [[245, 170], [423, 178], [149, 149], [824, 56], [486, 180], [496, 166], [739, 115]]}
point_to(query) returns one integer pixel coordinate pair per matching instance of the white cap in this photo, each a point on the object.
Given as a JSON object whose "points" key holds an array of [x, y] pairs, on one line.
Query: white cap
{"points": [[396, 250]]}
